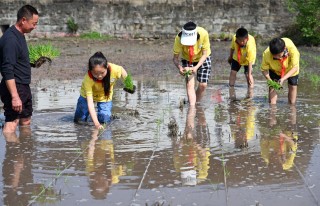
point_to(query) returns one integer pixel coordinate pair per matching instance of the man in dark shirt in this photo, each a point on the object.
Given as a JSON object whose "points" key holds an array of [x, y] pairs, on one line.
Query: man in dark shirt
{"points": [[16, 71]]}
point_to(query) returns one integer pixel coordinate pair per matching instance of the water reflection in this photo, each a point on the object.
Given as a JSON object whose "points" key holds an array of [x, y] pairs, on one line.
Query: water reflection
{"points": [[279, 139], [191, 151], [100, 165], [241, 118], [16, 169]]}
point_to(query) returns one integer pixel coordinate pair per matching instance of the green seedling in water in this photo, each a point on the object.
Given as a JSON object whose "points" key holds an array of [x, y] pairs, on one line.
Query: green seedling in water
{"points": [[275, 85]]}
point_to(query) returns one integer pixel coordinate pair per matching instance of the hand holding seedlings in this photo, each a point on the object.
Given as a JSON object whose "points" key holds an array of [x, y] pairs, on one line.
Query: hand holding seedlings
{"points": [[275, 85], [39, 54], [187, 72], [128, 84]]}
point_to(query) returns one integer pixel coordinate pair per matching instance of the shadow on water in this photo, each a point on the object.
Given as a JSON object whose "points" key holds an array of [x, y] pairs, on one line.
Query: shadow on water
{"points": [[231, 149]]}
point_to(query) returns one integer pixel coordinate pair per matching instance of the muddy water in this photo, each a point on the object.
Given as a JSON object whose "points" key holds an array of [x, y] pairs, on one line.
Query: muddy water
{"points": [[229, 150]]}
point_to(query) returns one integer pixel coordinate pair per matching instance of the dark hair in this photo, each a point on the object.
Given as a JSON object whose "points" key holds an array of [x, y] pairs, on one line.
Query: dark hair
{"points": [[26, 11], [99, 59], [276, 46], [189, 26], [241, 33]]}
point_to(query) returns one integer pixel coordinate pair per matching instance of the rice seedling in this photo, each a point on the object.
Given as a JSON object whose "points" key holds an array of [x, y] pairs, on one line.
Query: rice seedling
{"points": [[187, 73], [38, 54], [275, 85], [128, 84]]}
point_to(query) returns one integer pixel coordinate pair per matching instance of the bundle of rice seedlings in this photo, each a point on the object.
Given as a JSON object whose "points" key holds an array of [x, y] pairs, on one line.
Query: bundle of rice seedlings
{"points": [[275, 85], [128, 84], [38, 54]]}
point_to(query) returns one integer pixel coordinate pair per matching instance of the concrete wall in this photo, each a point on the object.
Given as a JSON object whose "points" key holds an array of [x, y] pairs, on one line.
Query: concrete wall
{"points": [[153, 18]]}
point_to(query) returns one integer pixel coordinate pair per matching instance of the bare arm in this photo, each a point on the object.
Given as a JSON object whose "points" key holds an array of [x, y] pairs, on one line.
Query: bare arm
{"points": [[92, 112], [288, 75], [177, 63], [230, 56], [266, 74], [202, 59], [124, 73]]}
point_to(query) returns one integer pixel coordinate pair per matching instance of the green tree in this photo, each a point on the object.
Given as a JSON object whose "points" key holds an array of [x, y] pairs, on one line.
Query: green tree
{"points": [[307, 20]]}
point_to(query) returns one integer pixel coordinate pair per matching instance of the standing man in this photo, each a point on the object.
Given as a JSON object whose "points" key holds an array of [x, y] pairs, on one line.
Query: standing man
{"points": [[242, 53], [16, 71], [280, 62], [193, 44]]}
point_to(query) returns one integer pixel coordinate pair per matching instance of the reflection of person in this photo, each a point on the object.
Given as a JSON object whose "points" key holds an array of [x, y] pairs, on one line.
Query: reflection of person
{"points": [[100, 164], [242, 123], [280, 62], [97, 86], [191, 153], [16, 70], [16, 170], [245, 46], [280, 142], [193, 44]]}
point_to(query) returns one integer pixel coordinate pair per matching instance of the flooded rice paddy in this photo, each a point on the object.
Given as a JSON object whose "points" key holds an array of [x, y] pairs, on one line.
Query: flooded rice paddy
{"points": [[229, 150]]}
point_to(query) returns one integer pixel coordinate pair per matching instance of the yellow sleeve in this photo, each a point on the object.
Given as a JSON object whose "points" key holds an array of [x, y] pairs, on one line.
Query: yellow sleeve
{"points": [[206, 41], [177, 47], [265, 65], [295, 55], [86, 87], [233, 42], [251, 53]]}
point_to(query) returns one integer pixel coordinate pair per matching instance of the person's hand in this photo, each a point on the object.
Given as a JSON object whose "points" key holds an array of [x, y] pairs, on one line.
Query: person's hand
{"points": [[280, 81], [99, 126], [16, 104], [181, 71], [131, 91], [250, 79], [229, 60], [186, 69]]}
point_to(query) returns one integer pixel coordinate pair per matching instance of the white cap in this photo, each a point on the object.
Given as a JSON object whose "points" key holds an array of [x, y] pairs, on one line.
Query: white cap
{"points": [[189, 34]]}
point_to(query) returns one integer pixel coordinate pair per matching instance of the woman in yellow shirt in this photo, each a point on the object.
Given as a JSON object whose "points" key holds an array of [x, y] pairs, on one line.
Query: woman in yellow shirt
{"points": [[97, 86]]}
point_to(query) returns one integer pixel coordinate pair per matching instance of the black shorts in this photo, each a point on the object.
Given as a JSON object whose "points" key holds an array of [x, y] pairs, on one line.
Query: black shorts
{"points": [[24, 92], [235, 66], [291, 80]]}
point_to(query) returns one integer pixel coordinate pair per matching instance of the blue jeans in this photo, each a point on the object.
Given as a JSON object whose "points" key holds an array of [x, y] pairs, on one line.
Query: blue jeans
{"points": [[82, 111]]}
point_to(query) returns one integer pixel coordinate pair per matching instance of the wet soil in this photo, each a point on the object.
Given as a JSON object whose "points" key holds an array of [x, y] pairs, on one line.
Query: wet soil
{"points": [[145, 59]]}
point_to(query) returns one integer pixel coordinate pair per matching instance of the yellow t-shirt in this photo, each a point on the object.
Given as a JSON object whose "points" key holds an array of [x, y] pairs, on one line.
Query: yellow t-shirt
{"points": [[203, 43], [95, 89], [268, 63], [248, 53]]}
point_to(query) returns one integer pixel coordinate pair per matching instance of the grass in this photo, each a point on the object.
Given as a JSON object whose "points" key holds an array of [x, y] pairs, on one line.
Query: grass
{"points": [[42, 50], [95, 35]]}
